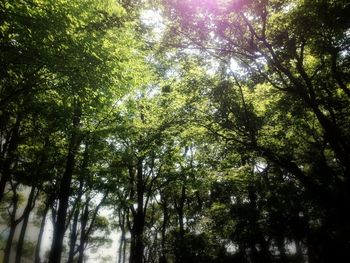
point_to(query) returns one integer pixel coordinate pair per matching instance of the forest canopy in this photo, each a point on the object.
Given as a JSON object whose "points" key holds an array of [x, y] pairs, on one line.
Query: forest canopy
{"points": [[174, 131]]}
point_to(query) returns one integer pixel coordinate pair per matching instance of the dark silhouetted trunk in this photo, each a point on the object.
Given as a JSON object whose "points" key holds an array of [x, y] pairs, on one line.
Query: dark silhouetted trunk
{"points": [[7, 251], [86, 228], [74, 233], [6, 167], [13, 225], [84, 231], [30, 205], [137, 245], [179, 206], [163, 258], [74, 230], [122, 245], [257, 237], [140, 217], [41, 232], [73, 236], [84, 221], [64, 190]]}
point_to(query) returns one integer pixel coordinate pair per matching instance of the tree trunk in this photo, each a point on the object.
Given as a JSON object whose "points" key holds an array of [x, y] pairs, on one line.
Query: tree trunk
{"points": [[179, 206], [137, 245], [257, 237], [132, 247], [121, 257], [7, 251], [140, 217], [6, 168], [163, 258], [74, 234], [64, 190], [41, 232], [181, 211], [30, 205], [13, 225], [124, 241], [84, 221], [121, 246], [86, 229]]}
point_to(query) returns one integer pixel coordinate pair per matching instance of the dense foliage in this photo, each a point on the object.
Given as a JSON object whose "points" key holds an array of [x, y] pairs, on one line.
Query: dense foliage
{"points": [[198, 131]]}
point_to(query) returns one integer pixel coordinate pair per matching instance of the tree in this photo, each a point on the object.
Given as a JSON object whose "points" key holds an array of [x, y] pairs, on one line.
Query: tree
{"points": [[218, 132], [293, 63], [81, 50]]}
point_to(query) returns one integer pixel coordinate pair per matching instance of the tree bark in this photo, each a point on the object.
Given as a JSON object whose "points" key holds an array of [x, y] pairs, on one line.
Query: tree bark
{"points": [[41, 232], [64, 190], [86, 229], [163, 258], [6, 167], [121, 256], [137, 245], [84, 220], [73, 236], [74, 233], [30, 205], [74, 230], [179, 206], [126, 216], [13, 225]]}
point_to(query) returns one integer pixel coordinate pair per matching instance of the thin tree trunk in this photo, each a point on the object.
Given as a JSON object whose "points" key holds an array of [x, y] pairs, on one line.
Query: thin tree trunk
{"points": [[132, 246], [84, 219], [133, 211], [124, 241], [140, 217], [64, 190], [41, 232], [121, 246], [122, 236], [6, 169], [163, 258], [30, 205], [86, 231], [257, 237], [179, 206], [13, 225], [137, 245], [9, 241], [74, 234], [82, 178]]}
